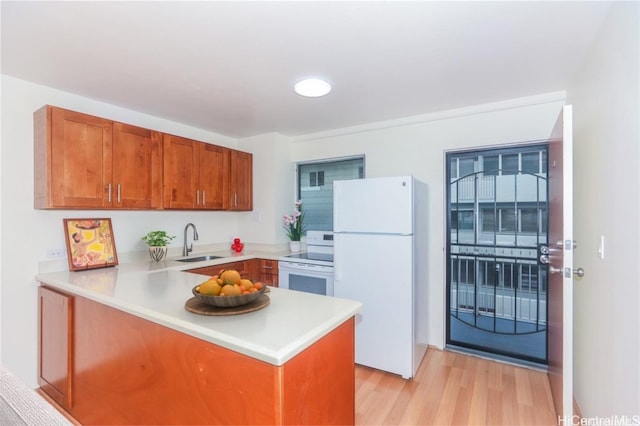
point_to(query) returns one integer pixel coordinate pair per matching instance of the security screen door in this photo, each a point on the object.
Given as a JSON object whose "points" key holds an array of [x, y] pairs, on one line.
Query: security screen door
{"points": [[497, 220]]}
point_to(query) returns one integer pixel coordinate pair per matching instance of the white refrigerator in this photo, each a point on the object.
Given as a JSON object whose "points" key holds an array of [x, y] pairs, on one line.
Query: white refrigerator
{"points": [[380, 242]]}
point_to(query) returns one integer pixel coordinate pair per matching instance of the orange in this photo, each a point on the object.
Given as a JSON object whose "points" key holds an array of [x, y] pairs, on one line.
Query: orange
{"points": [[230, 290], [210, 288], [231, 276], [246, 284]]}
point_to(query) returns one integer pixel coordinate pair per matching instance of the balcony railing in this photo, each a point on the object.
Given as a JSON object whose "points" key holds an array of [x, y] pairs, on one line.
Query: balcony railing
{"points": [[501, 189], [523, 307]]}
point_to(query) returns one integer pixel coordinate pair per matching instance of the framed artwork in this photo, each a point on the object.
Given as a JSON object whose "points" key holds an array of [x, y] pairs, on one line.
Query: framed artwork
{"points": [[90, 244]]}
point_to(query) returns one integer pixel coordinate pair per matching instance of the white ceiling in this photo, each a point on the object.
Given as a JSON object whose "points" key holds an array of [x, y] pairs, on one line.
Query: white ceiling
{"points": [[229, 67]]}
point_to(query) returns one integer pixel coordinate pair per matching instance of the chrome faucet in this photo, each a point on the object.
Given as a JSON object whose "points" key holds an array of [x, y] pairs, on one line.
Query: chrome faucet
{"points": [[187, 249]]}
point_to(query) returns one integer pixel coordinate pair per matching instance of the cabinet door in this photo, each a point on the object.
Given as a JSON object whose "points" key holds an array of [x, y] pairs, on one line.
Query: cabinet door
{"points": [[269, 272], [137, 167], [55, 367], [180, 172], [213, 181], [241, 183], [72, 159]]}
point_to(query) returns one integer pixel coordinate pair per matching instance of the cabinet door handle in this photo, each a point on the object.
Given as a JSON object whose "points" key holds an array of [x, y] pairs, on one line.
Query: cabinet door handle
{"points": [[204, 197], [235, 199], [197, 197], [109, 193], [118, 193]]}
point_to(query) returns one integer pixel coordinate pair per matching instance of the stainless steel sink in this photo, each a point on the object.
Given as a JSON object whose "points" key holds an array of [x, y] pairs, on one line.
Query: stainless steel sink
{"points": [[198, 258]]}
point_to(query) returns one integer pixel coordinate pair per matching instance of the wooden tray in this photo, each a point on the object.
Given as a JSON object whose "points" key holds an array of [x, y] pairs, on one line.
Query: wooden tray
{"points": [[197, 307]]}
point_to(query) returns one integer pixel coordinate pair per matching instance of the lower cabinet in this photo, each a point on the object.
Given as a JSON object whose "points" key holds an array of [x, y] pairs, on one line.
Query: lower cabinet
{"points": [[128, 370], [263, 270], [268, 271], [56, 345], [242, 267]]}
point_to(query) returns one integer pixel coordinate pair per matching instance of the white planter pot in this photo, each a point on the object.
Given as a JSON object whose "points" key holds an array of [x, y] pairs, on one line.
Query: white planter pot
{"points": [[158, 253], [294, 246]]}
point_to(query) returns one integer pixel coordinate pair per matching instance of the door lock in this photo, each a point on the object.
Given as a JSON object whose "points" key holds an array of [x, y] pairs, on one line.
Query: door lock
{"points": [[543, 254]]}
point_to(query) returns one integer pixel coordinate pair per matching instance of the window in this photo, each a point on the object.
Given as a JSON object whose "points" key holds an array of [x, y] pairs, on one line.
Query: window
{"points": [[316, 178], [453, 168], [488, 273], [531, 162], [466, 166], [507, 275], [509, 164], [529, 220], [488, 219], [461, 167], [462, 219], [490, 165], [529, 277], [315, 188], [463, 271], [507, 220]]}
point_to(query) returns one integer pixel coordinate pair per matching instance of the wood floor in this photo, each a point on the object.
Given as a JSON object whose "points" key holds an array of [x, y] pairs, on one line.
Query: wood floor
{"points": [[455, 389]]}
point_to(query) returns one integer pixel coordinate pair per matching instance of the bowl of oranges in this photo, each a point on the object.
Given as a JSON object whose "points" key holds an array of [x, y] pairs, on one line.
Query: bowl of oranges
{"points": [[228, 289]]}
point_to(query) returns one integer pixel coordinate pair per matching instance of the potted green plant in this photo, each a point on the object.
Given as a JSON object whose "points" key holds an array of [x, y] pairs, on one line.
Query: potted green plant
{"points": [[157, 242], [294, 227]]}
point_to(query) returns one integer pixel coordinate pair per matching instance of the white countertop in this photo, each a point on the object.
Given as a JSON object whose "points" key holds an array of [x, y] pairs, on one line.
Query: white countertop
{"points": [[157, 292]]}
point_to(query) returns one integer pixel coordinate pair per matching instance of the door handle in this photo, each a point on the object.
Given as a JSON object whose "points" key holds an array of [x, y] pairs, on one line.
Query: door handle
{"points": [[567, 272], [554, 270], [567, 245]]}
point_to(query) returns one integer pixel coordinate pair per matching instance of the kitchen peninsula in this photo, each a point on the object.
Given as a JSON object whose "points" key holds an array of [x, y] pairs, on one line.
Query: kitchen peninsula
{"points": [[118, 347]]}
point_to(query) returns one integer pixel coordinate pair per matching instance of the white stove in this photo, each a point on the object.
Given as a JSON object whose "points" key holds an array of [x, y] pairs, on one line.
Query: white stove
{"points": [[310, 271]]}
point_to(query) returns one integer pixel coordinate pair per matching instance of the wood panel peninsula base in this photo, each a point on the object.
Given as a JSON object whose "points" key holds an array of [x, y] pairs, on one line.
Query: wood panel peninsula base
{"points": [[124, 369]]}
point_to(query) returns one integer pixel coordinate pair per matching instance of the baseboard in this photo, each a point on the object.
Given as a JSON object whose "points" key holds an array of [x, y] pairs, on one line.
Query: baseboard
{"points": [[55, 405]]}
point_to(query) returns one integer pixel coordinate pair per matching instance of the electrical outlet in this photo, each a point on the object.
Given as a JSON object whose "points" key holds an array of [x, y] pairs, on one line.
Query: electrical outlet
{"points": [[56, 253]]}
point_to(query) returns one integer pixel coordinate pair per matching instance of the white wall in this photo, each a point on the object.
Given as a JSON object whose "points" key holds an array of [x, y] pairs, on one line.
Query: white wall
{"points": [[28, 233], [418, 149], [606, 99], [273, 191]]}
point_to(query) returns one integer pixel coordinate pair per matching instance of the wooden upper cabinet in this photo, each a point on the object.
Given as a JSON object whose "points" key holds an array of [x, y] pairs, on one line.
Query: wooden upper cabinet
{"points": [[82, 161], [241, 182], [72, 159], [195, 174], [87, 162], [137, 167], [214, 177]]}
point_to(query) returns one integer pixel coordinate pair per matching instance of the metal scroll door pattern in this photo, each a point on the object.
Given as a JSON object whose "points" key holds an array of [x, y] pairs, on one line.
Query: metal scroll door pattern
{"points": [[497, 286]]}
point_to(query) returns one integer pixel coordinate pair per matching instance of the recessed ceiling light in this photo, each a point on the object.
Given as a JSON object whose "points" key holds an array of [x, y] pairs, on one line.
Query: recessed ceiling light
{"points": [[312, 87]]}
